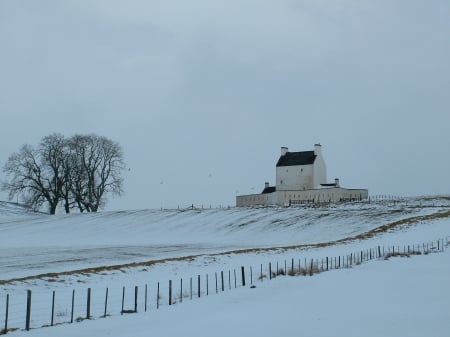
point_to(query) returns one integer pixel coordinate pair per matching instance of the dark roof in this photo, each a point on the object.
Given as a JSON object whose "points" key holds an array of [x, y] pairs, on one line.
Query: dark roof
{"points": [[297, 158], [269, 189]]}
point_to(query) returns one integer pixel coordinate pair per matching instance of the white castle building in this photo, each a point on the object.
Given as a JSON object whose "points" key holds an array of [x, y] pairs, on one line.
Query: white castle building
{"points": [[301, 178]]}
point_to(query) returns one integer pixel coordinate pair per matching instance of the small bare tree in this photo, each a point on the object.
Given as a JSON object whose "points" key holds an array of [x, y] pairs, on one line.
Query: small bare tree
{"points": [[97, 164], [37, 174], [26, 177]]}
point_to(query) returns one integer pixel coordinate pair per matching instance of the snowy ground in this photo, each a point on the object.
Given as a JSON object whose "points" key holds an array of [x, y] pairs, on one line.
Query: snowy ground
{"points": [[402, 296], [398, 297], [32, 244]]}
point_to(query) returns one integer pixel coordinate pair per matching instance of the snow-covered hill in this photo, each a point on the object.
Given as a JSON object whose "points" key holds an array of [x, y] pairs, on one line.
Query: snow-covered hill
{"points": [[51, 253], [11, 209], [33, 243]]}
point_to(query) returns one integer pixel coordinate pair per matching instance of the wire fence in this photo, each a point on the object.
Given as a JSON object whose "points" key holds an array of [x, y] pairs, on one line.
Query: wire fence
{"points": [[383, 199], [44, 308]]}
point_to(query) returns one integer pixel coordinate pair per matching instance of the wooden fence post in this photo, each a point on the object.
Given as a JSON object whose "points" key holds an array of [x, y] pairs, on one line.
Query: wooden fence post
{"points": [[181, 291], [223, 285], [106, 303], [190, 282], [157, 297], [207, 285], [235, 284], [170, 292], [73, 305], [327, 263], [292, 267], [6, 314], [53, 309], [198, 288], [251, 275], [215, 275], [243, 276], [145, 305], [229, 278], [270, 270], [136, 289], [123, 300], [88, 304], [28, 317]]}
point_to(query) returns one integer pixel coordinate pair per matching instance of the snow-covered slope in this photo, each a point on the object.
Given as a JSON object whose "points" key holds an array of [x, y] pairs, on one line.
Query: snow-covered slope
{"points": [[32, 243], [377, 299], [11, 209]]}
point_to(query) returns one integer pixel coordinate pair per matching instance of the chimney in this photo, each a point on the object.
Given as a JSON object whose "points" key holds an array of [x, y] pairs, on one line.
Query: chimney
{"points": [[284, 150], [266, 185], [336, 182], [317, 149]]}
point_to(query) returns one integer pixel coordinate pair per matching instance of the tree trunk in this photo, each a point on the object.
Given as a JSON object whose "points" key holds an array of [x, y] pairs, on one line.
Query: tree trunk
{"points": [[67, 206], [53, 206]]}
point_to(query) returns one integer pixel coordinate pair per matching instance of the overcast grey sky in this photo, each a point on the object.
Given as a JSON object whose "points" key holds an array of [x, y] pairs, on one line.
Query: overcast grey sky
{"points": [[202, 94]]}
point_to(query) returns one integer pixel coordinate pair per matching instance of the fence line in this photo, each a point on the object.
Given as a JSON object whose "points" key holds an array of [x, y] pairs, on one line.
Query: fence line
{"points": [[103, 305], [375, 198]]}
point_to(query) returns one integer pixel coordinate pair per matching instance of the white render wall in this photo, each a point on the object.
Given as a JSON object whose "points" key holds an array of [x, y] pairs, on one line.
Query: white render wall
{"points": [[256, 200], [334, 194], [295, 177], [288, 197], [319, 171]]}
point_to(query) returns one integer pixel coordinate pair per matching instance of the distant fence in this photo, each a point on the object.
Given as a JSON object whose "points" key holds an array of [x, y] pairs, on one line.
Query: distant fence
{"points": [[376, 198], [45, 309]]}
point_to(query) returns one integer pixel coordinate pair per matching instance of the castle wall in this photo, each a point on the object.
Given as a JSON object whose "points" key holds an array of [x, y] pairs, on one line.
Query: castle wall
{"points": [[292, 197]]}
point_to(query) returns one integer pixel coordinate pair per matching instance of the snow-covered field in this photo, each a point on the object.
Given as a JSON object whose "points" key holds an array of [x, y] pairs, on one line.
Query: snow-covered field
{"points": [[401, 296]]}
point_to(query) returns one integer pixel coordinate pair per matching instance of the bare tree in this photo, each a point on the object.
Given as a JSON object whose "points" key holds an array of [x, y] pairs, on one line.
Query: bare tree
{"points": [[80, 172], [52, 150], [26, 177], [36, 174], [97, 167]]}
